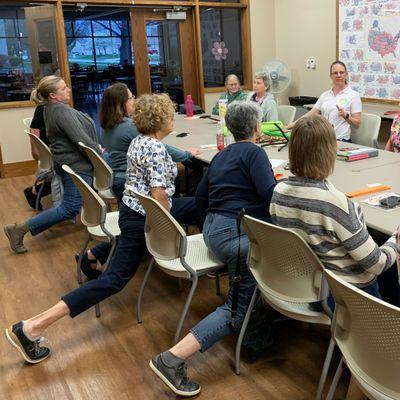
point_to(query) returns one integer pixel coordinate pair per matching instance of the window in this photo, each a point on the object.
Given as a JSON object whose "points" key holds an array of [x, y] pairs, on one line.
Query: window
{"points": [[221, 41], [25, 56], [97, 43]]}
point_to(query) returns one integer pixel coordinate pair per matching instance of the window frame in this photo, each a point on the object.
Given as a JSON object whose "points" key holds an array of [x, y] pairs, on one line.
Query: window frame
{"points": [[195, 5]]}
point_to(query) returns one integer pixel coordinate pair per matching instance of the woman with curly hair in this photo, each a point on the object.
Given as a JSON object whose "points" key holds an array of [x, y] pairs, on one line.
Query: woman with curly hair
{"points": [[150, 171]]}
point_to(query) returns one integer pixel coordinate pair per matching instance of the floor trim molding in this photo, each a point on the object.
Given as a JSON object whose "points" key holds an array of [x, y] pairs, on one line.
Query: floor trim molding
{"points": [[22, 168]]}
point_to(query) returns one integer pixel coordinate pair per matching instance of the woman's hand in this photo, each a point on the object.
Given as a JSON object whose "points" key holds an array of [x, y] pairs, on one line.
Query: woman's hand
{"points": [[342, 112], [159, 194], [194, 151]]}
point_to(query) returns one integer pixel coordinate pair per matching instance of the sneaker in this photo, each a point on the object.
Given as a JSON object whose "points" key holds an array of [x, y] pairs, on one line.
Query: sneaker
{"points": [[175, 377], [16, 238], [91, 273], [31, 350]]}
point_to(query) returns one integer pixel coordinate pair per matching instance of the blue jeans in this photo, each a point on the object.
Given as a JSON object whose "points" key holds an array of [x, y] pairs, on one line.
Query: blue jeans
{"points": [[68, 209], [127, 257], [221, 237]]}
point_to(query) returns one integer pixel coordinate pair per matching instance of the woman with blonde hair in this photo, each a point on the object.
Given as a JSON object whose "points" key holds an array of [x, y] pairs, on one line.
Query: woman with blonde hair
{"points": [[262, 97], [151, 172], [65, 127]]}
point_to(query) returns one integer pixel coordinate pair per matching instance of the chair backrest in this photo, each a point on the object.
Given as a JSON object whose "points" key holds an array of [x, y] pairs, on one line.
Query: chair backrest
{"points": [[283, 264], [367, 331], [27, 122], [286, 114], [102, 172], [94, 210], [45, 156], [367, 133], [165, 238]]}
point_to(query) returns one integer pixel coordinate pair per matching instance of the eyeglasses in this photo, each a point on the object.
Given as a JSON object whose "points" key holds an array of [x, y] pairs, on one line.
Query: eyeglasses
{"points": [[232, 84]]}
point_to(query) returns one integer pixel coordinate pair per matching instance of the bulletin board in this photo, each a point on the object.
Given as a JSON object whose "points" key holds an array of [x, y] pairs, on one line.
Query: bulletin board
{"points": [[368, 42]]}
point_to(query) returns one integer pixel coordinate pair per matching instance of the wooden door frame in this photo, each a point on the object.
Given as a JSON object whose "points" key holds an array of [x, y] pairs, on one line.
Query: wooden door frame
{"points": [[188, 52]]}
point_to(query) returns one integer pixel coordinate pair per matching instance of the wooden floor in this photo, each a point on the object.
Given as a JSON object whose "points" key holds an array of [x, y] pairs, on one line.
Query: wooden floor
{"points": [[107, 358]]}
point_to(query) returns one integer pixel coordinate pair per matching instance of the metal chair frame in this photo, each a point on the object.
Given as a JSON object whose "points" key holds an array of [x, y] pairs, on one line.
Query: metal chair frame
{"points": [[178, 252]]}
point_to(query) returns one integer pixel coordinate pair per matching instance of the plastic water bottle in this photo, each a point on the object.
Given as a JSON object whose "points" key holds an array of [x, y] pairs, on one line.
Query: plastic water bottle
{"points": [[189, 106], [220, 137]]}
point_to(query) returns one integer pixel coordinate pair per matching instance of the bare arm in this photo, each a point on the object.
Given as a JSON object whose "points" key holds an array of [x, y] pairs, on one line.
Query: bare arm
{"points": [[34, 151], [389, 145], [313, 111], [355, 120], [158, 193]]}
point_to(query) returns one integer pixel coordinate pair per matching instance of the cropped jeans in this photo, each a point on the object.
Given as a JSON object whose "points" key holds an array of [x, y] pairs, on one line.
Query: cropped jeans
{"points": [[127, 257], [221, 237], [68, 209]]}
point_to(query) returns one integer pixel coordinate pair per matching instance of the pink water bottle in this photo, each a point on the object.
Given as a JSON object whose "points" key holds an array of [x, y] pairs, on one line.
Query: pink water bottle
{"points": [[189, 106]]}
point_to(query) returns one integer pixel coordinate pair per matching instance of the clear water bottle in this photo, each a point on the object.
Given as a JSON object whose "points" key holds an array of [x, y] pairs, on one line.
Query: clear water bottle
{"points": [[220, 137], [189, 106]]}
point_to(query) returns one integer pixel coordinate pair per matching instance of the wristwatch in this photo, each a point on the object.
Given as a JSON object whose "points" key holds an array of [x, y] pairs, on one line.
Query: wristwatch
{"points": [[347, 116]]}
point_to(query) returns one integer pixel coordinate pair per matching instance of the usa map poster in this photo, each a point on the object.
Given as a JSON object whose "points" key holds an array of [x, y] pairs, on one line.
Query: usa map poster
{"points": [[369, 44]]}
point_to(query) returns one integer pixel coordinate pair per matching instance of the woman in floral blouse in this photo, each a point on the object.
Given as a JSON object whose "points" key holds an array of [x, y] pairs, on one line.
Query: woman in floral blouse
{"points": [[393, 143], [151, 172]]}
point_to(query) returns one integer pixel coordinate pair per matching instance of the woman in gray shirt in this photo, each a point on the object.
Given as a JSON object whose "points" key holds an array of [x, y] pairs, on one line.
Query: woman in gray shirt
{"points": [[65, 128]]}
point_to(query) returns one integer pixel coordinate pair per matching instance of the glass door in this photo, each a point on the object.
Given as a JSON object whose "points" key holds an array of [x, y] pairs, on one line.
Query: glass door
{"points": [[165, 55]]}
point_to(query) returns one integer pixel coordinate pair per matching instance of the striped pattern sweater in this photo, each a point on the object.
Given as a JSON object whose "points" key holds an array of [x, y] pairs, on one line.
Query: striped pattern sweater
{"points": [[334, 228]]}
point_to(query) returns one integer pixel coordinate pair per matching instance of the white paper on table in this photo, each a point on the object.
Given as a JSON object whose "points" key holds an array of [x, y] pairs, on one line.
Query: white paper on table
{"points": [[276, 163]]}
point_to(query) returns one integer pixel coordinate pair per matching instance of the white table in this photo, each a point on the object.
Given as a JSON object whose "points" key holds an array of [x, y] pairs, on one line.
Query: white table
{"points": [[384, 169]]}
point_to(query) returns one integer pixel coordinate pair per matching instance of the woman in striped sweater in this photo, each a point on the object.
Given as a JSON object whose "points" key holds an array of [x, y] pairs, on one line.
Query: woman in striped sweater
{"points": [[330, 223]]}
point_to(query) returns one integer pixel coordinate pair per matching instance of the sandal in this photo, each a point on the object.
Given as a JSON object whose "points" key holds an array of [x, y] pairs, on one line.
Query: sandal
{"points": [[86, 268]]}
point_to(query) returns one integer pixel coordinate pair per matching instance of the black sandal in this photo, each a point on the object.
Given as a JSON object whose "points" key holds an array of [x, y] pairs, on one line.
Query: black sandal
{"points": [[86, 268]]}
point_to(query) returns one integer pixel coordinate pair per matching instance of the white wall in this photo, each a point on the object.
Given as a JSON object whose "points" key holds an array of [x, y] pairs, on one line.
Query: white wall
{"points": [[14, 142], [262, 31]]}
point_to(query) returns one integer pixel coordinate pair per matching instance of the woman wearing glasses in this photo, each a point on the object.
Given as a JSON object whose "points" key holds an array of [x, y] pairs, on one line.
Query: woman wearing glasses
{"points": [[340, 105], [233, 92]]}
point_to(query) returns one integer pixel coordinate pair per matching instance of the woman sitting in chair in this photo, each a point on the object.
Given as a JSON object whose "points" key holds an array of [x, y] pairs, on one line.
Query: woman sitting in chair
{"points": [[240, 176], [233, 92], [325, 218], [262, 97], [150, 171], [328, 221], [66, 127], [341, 105], [393, 144], [118, 131]]}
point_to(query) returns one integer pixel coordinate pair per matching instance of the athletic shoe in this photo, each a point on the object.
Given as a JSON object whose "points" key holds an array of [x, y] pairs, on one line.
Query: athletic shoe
{"points": [[174, 375], [31, 350]]}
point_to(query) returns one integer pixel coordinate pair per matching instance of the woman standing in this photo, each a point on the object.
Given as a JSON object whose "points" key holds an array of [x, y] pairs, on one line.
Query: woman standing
{"points": [[262, 97], [66, 127], [151, 172], [340, 105]]}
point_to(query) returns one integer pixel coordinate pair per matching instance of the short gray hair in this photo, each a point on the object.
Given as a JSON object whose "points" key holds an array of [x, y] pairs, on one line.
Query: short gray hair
{"points": [[265, 77], [231, 76], [242, 119]]}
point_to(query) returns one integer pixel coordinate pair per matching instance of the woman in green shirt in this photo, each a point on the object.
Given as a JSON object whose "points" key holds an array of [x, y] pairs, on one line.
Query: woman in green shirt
{"points": [[233, 92]]}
